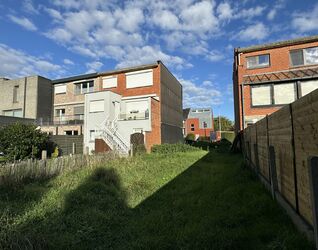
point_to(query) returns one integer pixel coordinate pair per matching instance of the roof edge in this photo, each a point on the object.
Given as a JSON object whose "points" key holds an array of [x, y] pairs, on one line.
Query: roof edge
{"points": [[278, 44]]}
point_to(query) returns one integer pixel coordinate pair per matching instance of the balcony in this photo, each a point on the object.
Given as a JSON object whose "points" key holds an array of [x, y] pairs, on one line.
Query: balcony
{"points": [[134, 116], [61, 120]]}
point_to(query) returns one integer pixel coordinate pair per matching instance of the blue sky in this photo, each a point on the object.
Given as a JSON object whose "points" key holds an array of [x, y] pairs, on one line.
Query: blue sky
{"points": [[195, 39]]}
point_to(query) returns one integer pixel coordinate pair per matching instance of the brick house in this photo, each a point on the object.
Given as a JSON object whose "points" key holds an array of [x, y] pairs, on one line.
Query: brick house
{"points": [[112, 105], [268, 76], [198, 122]]}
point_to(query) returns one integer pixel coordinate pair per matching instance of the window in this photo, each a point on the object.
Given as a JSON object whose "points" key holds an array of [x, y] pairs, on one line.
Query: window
{"points": [[192, 127], [261, 95], [257, 61], [109, 82], [59, 112], [15, 94], [96, 106], [92, 135], [79, 112], [307, 87], [13, 112], [139, 78], [84, 87], [71, 132], [60, 89], [306, 56], [284, 93]]}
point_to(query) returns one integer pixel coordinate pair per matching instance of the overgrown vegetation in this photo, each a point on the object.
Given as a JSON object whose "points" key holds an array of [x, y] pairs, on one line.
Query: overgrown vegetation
{"points": [[190, 200], [21, 141], [172, 148], [226, 124]]}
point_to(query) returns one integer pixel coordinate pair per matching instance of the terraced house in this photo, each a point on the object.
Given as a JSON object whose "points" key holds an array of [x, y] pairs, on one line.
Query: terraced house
{"points": [[108, 107], [268, 76]]}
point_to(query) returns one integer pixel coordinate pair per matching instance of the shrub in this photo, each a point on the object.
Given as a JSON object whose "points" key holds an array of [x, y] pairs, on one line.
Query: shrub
{"points": [[172, 148], [20, 141], [139, 149], [190, 137]]}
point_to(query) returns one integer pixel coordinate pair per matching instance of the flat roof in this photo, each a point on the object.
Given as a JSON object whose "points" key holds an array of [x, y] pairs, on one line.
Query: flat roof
{"points": [[110, 72], [74, 78], [278, 44]]}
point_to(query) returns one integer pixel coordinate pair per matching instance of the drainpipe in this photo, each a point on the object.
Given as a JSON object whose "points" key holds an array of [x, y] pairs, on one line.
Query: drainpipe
{"points": [[24, 96], [242, 95]]}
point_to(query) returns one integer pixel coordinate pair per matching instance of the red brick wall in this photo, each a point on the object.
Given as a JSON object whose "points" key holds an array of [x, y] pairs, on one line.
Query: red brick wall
{"points": [[122, 90], [279, 61], [154, 137]]}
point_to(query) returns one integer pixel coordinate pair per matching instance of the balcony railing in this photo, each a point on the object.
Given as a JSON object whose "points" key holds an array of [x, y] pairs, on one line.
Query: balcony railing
{"points": [[61, 120], [134, 116]]}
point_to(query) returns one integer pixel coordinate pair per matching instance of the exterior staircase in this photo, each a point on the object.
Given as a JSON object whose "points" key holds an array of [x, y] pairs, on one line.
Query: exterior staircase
{"points": [[109, 133]]}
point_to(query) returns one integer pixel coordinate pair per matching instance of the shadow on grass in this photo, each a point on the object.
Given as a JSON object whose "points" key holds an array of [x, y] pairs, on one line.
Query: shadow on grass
{"points": [[214, 204]]}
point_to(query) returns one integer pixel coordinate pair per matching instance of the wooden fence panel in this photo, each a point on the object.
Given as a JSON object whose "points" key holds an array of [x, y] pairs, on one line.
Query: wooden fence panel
{"points": [[305, 113], [280, 137], [263, 148], [252, 143]]}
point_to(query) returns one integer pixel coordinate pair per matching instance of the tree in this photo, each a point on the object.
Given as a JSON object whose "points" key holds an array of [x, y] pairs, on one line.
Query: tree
{"points": [[226, 124], [21, 141]]}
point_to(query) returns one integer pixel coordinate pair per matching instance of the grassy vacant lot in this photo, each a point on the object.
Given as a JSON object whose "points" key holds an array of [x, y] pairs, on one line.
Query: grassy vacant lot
{"points": [[190, 200]]}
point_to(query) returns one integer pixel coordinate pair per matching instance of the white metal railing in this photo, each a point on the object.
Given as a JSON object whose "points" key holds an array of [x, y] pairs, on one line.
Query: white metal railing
{"points": [[109, 133], [134, 116]]}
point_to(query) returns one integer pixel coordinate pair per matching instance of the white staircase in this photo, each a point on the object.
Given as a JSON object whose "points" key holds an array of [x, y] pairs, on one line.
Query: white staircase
{"points": [[109, 133]]}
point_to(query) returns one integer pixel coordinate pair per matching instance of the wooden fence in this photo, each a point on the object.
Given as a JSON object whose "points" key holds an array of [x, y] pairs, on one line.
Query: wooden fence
{"points": [[42, 169], [279, 147]]}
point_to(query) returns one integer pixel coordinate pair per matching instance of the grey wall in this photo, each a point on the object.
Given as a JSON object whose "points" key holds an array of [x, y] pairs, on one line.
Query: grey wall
{"points": [[65, 143], [34, 98], [171, 107], [45, 97], [7, 120], [205, 116]]}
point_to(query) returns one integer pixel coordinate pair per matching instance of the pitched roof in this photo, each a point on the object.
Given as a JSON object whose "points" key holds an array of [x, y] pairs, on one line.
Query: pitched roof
{"points": [[278, 44], [297, 74]]}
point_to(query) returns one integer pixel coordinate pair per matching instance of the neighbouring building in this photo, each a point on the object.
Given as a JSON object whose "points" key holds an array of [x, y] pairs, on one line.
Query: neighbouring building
{"points": [[198, 122], [268, 76], [26, 97], [112, 105]]}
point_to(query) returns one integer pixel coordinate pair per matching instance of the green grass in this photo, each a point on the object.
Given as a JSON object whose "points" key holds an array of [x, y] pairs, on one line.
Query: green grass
{"points": [[190, 200]]}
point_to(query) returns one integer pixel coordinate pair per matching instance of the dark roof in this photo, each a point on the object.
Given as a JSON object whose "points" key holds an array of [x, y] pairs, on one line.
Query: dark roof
{"points": [[278, 44], [140, 67], [186, 113], [296, 74], [75, 78]]}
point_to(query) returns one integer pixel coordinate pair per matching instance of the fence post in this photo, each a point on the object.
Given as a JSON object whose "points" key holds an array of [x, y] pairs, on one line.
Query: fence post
{"points": [[313, 182], [272, 165], [44, 155], [256, 158], [73, 148]]}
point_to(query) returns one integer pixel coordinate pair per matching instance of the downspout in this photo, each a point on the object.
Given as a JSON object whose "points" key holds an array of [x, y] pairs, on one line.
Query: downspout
{"points": [[243, 115], [24, 97]]}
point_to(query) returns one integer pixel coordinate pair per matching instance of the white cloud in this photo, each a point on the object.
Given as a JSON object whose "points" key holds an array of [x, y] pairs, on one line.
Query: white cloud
{"points": [[93, 66], [29, 7], [214, 56], [54, 13], [24, 22], [200, 96], [224, 11], [257, 31], [306, 21], [68, 61], [273, 11], [16, 63]]}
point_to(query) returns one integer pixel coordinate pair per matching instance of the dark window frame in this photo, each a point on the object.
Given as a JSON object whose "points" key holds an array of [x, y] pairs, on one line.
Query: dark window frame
{"points": [[260, 66], [304, 59]]}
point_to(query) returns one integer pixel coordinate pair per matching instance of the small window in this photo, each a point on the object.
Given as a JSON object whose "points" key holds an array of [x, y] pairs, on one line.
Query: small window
{"points": [[96, 106], [261, 95], [60, 89], [14, 113], [192, 127], [92, 135], [257, 61], [15, 94], [84, 87], [109, 82], [68, 132], [139, 78], [311, 55], [297, 57], [284, 93], [60, 112]]}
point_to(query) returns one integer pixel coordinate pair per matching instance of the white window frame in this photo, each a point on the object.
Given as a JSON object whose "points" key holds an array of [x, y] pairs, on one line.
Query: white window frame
{"points": [[61, 89], [111, 84], [258, 65], [304, 57], [139, 85], [81, 88], [270, 95]]}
